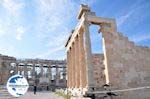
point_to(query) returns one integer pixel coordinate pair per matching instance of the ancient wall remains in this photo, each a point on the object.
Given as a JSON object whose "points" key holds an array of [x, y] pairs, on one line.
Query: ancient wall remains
{"points": [[98, 66], [129, 64], [4, 67]]}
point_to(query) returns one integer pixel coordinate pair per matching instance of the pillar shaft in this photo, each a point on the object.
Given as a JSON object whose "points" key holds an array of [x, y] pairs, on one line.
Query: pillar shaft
{"points": [[25, 70], [80, 60], [68, 68], [33, 72], [17, 68], [73, 65], [57, 76], [49, 74], [80, 49], [42, 74], [88, 56], [75, 62], [82, 63], [64, 73]]}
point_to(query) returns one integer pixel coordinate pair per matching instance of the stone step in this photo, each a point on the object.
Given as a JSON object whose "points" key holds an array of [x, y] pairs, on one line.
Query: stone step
{"points": [[7, 98], [5, 95]]}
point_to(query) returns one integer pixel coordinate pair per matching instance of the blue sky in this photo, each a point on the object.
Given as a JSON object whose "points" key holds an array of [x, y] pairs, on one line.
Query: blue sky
{"points": [[39, 28]]}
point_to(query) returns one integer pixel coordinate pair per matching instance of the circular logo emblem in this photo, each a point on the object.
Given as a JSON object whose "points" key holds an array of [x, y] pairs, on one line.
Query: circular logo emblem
{"points": [[17, 85]]}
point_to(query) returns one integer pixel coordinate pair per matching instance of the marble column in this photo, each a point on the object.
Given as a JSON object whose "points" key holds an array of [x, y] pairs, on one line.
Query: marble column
{"points": [[88, 56], [68, 68], [25, 70], [41, 67], [57, 76], [73, 65], [71, 71], [13, 67], [80, 60], [17, 68], [64, 73], [49, 74], [82, 63], [75, 62], [33, 72]]}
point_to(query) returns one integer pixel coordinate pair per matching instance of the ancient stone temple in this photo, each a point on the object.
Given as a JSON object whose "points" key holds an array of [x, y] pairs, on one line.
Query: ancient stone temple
{"points": [[41, 72], [122, 71]]}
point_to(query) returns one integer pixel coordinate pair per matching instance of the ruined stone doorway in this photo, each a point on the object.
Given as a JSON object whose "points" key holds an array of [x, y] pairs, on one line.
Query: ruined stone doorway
{"points": [[97, 50]]}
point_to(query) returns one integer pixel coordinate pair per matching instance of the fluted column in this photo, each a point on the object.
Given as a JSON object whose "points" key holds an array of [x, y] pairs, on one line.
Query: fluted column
{"points": [[88, 55], [69, 68], [73, 65], [80, 60], [68, 59], [17, 68], [57, 76], [41, 67], [33, 72], [77, 62], [71, 73], [64, 74], [25, 70], [49, 74], [82, 63]]}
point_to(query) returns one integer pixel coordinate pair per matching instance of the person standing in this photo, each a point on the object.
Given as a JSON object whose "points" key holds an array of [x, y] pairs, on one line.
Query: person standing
{"points": [[35, 88]]}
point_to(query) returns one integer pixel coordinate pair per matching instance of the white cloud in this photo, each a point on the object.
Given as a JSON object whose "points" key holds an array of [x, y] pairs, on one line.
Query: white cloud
{"points": [[124, 18], [132, 10], [50, 52], [55, 18], [10, 23], [13, 6], [19, 32]]}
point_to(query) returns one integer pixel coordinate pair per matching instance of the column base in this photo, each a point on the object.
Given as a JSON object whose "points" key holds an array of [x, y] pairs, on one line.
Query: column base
{"points": [[77, 91]]}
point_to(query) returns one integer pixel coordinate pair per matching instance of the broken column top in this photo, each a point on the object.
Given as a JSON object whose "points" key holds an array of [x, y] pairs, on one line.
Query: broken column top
{"points": [[83, 8]]}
